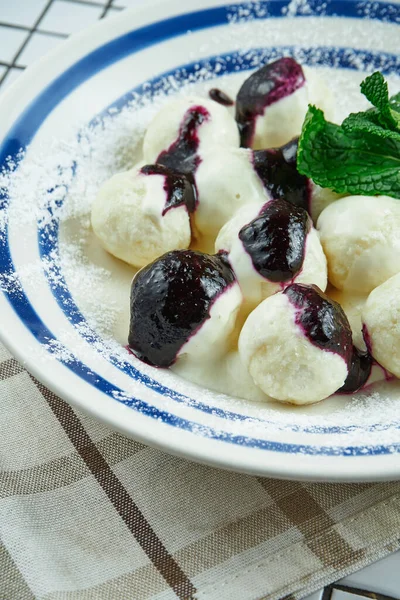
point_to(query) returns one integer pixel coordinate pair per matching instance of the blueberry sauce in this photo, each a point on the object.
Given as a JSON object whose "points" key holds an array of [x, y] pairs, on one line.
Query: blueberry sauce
{"points": [[359, 371], [170, 299], [182, 154], [180, 191], [275, 240], [277, 169], [368, 343], [264, 87], [323, 321], [220, 97], [367, 338]]}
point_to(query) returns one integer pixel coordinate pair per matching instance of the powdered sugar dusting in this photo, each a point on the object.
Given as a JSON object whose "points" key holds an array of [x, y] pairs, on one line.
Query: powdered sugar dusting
{"points": [[57, 185]]}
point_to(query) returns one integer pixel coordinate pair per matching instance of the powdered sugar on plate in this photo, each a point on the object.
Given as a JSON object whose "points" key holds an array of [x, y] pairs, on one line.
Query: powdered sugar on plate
{"points": [[56, 186]]}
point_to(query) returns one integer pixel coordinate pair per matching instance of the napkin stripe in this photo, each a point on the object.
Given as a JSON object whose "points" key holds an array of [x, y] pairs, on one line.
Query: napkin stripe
{"points": [[226, 542], [64, 470], [305, 513], [12, 583], [46, 477], [144, 582], [9, 368], [118, 495]]}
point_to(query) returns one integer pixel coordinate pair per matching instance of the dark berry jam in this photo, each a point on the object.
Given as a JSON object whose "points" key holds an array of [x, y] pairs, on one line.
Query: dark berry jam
{"points": [[276, 239], [220, 97], [359, 371], [323, 321], [277, 169], [264, 87], [182, 155], [170, 299], [367, 338], [179, 190]]}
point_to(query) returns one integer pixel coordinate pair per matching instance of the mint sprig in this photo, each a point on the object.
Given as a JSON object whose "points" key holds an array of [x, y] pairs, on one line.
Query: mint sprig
{"points": [[375, 89], [361, 156]]}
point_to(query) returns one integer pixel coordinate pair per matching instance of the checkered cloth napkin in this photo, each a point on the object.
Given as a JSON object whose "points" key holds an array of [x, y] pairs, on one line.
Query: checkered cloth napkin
{"points": [[87, 514]]}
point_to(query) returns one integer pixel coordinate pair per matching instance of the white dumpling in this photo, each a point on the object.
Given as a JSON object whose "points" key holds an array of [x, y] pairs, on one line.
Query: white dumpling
{"points": [[281, 357], [361, 240], [255, 287], [381, 324], [225, 181], [131, 218], [209, 125], [273, 101]]}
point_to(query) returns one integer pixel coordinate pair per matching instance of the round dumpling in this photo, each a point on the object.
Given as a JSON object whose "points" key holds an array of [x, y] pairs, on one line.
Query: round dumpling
{"points": [[381, 324], [185, 128], [183, 305], [273, 101], [361, 240], [225, 181], [270, 247], [297, 345], [143, 213]]}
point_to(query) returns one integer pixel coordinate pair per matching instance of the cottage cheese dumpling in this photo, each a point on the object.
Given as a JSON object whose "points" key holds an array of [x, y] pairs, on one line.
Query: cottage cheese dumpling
{"points": [[183, 305], [381, 320], [271, 247], [184, 129], [143, 213], [272, 103], [361, 239], [297, 345], [226, 180]]}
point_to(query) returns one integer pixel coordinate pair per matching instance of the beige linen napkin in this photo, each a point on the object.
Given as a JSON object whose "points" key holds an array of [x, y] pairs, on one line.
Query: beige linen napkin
{"points": [[87, 514]]}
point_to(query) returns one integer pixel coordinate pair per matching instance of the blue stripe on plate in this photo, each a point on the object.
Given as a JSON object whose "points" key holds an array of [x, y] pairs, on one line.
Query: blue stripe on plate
{"points": [[27, 314], [345, 58], [25, 128]]}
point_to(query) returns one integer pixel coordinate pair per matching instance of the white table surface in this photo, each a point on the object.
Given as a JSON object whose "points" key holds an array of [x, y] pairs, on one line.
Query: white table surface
{"points": [[29, 29]]}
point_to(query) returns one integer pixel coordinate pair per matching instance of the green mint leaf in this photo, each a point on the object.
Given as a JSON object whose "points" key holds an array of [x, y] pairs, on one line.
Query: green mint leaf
{"points": [[375, 89], [353, 160], [367, 122], [395, 103]]}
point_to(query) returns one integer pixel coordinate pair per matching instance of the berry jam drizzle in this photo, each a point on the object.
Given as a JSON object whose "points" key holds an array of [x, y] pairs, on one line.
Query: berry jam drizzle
{"points": [[170, 300], [277, 169], [220, 97], [182, 154], [180, 191], [367, 338], [276, 239], [359, 371], [264, 87], [323, 321], [368, 343]]}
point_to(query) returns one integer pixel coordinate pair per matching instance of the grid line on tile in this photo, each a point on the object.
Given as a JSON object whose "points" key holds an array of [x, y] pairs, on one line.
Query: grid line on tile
{"points": [[28, 37], [14, 64], [106, 9], [89, 3], [7, 65], [25, 28], [359, 593], [326, 593], [34, 28], [10, 66]]}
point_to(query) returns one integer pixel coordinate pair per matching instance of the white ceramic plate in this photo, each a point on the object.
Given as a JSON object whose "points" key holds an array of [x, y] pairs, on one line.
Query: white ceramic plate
{"points": [[45, 308]]}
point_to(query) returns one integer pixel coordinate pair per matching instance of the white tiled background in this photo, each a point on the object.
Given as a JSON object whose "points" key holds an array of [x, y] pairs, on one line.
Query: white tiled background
{"points": [[31, 28]]}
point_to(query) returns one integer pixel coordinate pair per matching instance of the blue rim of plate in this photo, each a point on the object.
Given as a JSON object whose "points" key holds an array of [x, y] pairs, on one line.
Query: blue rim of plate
{"points": [[48, 235], [25, 128]]}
